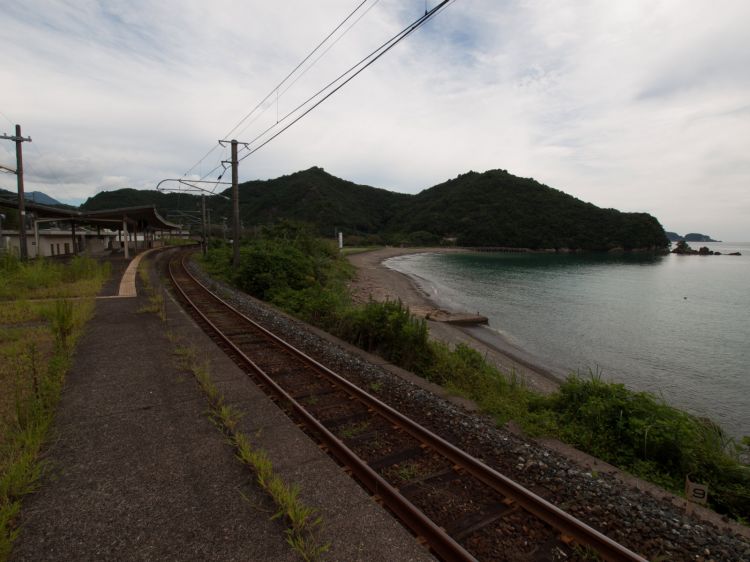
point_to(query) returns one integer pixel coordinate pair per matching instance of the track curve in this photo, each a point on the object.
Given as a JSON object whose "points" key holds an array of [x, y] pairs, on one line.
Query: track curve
{"points": [[459, 507]]}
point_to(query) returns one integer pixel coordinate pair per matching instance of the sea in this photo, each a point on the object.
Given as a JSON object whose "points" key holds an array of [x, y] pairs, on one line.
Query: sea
{"points": [[674, 325]]}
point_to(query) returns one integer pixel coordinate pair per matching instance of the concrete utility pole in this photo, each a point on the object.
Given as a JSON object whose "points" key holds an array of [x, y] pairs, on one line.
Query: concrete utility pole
{"points": [[235, 208], [18, 139], [235, 200], [203, 224]]}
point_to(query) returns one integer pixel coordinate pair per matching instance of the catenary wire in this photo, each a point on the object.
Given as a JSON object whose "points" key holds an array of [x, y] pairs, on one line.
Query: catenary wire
{"points": [[375, 55], [339, 26], [400, 35], [233, 129], [311, 65]]}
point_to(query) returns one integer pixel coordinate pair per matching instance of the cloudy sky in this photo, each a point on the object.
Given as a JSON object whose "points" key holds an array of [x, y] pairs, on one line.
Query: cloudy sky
{"points": [[641, 105]]}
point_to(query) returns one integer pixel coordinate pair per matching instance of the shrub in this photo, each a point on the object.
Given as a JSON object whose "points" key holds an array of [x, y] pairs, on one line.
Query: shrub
{"points": [[639, 432], [390, 330]]}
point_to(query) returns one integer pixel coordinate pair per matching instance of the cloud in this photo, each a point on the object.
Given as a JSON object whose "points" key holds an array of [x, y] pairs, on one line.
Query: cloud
{"points": [[637, 105]]}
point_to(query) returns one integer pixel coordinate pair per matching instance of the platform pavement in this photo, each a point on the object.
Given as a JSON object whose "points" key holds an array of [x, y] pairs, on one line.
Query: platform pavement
{"points": [[137, 472]]}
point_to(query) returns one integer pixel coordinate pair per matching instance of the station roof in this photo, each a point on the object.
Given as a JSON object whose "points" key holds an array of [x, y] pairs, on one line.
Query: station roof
{"points": [[145, 217]]}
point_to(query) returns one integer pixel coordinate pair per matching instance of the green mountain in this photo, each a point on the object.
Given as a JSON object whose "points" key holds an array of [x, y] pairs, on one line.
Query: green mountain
{"points": [[317, 197], [180, 208], [494, 208]]}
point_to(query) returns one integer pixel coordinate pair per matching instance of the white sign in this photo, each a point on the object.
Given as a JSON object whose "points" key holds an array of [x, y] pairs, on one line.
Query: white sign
{"points": [[696, 493]]}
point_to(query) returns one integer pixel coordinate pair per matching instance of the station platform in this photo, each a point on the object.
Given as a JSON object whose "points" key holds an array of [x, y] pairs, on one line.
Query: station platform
{"points": [[138, 472]]}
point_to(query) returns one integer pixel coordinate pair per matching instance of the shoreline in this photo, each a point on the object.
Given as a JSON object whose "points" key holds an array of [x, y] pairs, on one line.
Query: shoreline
{"points": [[379, 282]]}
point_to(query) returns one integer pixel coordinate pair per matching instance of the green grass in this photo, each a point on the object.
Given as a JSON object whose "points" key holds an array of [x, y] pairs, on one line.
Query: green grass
{"points": [[354, 429], [37, 340], [641, 433], [303, 522], [39, 279], [156, 302], [178, 241]]}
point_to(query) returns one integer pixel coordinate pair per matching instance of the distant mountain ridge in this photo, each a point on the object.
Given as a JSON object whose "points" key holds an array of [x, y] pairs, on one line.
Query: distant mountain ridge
{"points": [[494, 208], [33, 197], [690, 237]]}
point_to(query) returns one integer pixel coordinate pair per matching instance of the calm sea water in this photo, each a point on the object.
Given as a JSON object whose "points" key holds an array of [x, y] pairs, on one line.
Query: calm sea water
{"points": [[678, 326]]}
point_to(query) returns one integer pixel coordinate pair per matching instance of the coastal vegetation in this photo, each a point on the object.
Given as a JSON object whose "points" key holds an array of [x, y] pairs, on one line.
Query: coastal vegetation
{"points": [[289, 267], [494, 208], [39, 326]]}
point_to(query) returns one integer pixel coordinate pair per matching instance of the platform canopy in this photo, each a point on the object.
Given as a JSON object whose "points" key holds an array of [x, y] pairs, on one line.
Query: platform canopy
{"points": [[144, 218]]}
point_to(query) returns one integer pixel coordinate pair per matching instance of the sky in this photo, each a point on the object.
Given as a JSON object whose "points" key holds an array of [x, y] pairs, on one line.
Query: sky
{"points": [[639, 105]]}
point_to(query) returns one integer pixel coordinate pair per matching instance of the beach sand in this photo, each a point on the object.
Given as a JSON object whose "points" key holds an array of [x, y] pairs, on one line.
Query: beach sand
{"points": [[376, 281]]}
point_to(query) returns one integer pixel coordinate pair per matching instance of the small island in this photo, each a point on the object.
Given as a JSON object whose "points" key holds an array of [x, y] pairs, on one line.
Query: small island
{"points": [[690, 237], [683, 248]]}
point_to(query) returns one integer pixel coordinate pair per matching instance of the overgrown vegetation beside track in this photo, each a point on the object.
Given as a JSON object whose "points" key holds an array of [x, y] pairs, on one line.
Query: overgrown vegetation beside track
{"points": [[636, 431], [303, 521], [37, 338]]}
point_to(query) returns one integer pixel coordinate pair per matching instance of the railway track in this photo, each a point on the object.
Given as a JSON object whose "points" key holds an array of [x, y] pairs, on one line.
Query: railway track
{"points": [[458, 507]]}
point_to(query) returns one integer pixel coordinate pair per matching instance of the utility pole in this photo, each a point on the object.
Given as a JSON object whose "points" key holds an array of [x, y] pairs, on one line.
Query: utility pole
{"points": [[235, 208], [209, 225], [235, 201], [203, 223], [18, 139]]}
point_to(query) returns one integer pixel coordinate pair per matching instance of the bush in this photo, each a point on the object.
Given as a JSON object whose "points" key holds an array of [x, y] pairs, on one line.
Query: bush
{"points": [[638, 432], [390, 330], [268, 266]]}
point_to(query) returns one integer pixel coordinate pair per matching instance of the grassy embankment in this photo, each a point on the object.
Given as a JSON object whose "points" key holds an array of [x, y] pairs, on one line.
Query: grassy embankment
{"points": [[38, 331], [633, 430]]}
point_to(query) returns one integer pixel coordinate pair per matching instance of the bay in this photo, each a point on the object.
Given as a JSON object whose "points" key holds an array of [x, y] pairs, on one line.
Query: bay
{"points": [[677, 326]]}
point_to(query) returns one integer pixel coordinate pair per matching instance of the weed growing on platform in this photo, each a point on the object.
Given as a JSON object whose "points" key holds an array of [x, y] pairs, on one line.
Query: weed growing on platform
{"points": [[156, 303], [37, 339], [302, 520]]}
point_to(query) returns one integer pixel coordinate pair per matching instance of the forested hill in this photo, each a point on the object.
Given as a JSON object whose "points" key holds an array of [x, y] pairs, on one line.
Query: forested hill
{"points": [[121, 198], [317, 197], [494, 208]]}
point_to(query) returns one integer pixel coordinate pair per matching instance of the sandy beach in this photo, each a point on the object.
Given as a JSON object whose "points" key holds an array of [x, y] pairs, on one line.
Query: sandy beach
{"points": [[376, 281]]}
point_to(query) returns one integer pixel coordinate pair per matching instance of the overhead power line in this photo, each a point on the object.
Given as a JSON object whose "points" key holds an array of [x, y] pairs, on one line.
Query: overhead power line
{"points": [[296, 68], [352, 73], [280, 84], [281, 92]]}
